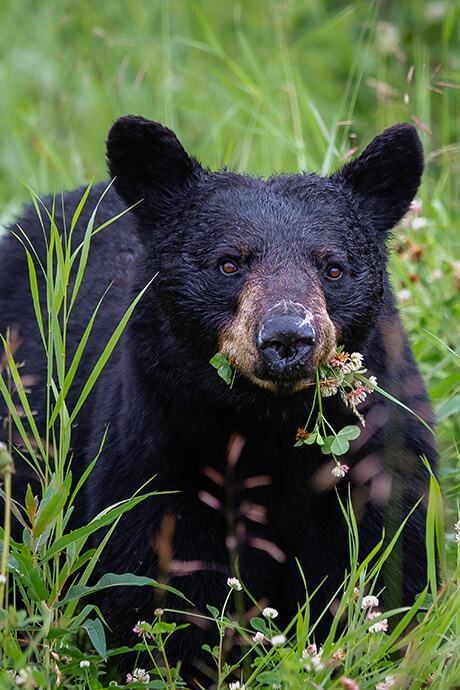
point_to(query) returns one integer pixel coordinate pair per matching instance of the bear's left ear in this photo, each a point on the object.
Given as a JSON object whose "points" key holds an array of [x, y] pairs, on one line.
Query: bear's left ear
{"points": [[148, 163], [384, 179]]}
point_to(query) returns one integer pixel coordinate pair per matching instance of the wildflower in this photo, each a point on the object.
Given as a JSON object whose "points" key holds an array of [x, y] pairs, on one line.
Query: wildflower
{"points": [[2, 580], [236, 686], [418, 223], [328, 386], [24, 678], [339, 360], [348, 683], [369, 602], [386, 684], [313, 657], [357, 395], [139, 676], [158, 612], [337, 658], [379, 626], [234, 583], [403, 295], [258, 638], [276, 686], [310, 651], [352, 363], [302, 435], [142, 628], [278, 640], [372, 382], [436, 274], [84, 663], [457, 531], [339, 470], [268, 612], [416, 206]]}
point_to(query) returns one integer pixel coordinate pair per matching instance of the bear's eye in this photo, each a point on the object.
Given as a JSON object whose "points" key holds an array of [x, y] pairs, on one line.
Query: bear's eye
{"points": [[228, 267], [334, 272]]}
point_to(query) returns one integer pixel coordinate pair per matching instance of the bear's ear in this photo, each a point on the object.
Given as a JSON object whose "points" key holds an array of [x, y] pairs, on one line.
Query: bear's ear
{"points": [[147, 162], [384, 179]]}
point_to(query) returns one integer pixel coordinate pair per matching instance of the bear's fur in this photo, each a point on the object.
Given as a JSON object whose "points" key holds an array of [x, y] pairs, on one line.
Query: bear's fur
{"points": [[275, 274]]}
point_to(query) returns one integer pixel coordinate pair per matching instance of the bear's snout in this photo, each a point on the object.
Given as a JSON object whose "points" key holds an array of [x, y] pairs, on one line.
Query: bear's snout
{"points": [[285, 337]]}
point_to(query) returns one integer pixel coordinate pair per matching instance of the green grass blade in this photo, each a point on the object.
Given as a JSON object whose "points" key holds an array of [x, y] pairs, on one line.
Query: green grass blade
{"points": [[106, 353]]}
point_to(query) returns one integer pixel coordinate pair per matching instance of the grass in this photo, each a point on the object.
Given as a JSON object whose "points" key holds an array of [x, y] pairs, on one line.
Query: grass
{"points": [[259, 87]]}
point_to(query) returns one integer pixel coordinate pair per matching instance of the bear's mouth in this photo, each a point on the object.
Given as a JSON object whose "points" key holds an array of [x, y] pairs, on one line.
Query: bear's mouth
{"points": [[286, 384]]}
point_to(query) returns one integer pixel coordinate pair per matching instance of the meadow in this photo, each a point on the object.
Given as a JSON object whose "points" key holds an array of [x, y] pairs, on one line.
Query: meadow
{"points": [[278, 86]]}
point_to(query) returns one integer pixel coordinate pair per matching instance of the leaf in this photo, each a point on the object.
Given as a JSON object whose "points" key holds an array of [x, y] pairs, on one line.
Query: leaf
{"points": [[114, 338], [225, 372], [102, 520], [114, 580], [223, 366], [30, 504], [51, 510], [36, 588], [260, 625], [326, 447], [341, 444], [218, 360], [448, 409], [215, 613], [319, 439], [97, 636]]}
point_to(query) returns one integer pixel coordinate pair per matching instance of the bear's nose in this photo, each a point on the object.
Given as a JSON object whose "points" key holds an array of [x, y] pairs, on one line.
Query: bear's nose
{"points": [[285, 341]]}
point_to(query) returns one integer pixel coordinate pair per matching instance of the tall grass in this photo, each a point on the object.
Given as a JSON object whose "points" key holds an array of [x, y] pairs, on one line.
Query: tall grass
{"points": [[260, 87]]}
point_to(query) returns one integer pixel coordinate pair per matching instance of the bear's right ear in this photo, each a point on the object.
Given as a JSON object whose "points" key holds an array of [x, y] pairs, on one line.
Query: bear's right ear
{"points": [[384, 179], [147, 162]]}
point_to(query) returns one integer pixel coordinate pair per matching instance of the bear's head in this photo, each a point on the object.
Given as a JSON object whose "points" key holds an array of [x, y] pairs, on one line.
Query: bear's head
{"points": [[276, 273]]}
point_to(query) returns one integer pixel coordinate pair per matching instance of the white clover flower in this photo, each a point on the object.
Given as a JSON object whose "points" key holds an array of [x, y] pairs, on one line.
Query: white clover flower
{"points": [[436, 274], [328, 387], [139, 676], [356, 360], [372, 382], [416, 206], [277, 686], [339, 470], [379, 626], [258, 638], [278, 640], [357, 395], [2, 580], [22, 678], [269, 612], [386, 684], [84, 663], [310, 651], [314, 663], [234, 583], [236, 686], [313, 657], [403, 295], [418, 223], [369, 602]]}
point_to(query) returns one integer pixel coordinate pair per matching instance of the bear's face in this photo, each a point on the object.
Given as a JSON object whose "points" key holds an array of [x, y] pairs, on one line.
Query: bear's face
{"points": [[274, 274], [269, 276]]}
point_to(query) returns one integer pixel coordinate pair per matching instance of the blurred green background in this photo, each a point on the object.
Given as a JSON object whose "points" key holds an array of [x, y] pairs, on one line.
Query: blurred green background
{"points": [[278, 85]]}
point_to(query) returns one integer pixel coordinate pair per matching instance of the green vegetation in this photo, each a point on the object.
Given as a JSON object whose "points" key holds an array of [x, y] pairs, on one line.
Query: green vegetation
{"points": [[264, 87]]}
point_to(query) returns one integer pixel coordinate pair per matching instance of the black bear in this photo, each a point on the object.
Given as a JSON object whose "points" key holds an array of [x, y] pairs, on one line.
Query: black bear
{"points": [[275, 275]]}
